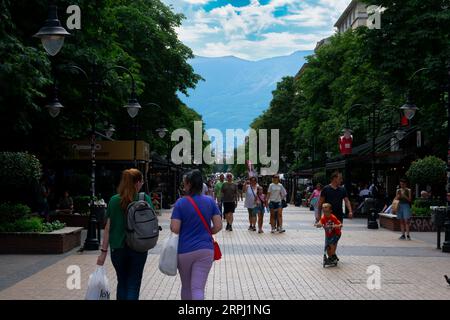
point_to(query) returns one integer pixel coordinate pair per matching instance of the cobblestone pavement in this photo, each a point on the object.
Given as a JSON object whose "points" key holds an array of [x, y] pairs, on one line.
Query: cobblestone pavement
{"points": [[268, 266]]}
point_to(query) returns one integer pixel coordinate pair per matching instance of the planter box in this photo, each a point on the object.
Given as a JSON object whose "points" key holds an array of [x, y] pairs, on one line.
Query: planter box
{"points": [[58, 241], [417, 224], [73, 220]]}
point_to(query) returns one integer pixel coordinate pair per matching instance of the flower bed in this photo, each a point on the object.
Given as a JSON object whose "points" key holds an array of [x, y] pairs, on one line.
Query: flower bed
{"points": [[54, 242], [417, 224]]}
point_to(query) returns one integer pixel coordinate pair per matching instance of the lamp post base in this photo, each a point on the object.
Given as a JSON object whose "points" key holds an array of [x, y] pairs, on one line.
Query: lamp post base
{"points": [[92, 240], [446, 245], [372, 222]]}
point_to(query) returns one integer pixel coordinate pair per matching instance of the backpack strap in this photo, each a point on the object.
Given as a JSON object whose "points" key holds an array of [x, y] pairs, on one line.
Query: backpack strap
{"points": [[141, 196], [199, 214]]}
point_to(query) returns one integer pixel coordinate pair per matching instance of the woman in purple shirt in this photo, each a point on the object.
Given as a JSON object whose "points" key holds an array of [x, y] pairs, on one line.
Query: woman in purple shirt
{"points": [[195, 246]]}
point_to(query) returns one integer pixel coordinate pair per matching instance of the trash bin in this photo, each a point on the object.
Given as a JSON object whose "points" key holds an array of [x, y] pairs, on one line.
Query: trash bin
{"points": [[438, 217], [370, 207]]}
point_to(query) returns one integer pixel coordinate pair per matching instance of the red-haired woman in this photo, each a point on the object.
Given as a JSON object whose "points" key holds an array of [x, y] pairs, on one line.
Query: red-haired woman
{"points": [[129, 264]]}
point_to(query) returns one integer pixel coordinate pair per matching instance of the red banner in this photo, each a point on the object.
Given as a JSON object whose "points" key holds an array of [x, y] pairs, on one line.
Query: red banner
{"points": [[345, 143]]}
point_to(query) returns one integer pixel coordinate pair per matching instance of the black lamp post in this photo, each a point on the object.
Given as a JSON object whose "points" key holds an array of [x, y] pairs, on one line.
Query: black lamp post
{"points": [[409, 109], [52, 36], [133, 112], [162, 133], [284, 158], [294, 187]]}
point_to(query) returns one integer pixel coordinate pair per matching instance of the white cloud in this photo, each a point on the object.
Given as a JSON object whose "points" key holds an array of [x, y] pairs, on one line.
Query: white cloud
{"points": [[253, 32], [197, 1], [272, 44], [196, 32]]}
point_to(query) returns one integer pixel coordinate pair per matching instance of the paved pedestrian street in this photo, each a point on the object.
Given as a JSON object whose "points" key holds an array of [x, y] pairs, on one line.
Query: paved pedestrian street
{"points": [[268, 266]]}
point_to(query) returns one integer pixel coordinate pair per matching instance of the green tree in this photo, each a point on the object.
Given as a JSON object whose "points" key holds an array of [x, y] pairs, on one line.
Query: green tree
{"points": [[139, 35]]}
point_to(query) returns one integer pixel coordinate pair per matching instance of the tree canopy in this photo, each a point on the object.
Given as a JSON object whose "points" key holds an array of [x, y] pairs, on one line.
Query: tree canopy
{"points": [[139, 35], [367, 67]]}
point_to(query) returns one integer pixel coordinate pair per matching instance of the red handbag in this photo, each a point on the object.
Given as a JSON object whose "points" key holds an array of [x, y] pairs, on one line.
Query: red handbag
{"points": [[217, 252]]}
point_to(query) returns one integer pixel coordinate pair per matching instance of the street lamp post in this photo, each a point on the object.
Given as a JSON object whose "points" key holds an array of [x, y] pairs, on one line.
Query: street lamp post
{"points": [[52, 37], [162, 132], [294, 187], [446, 245], [409, 109], [136, 127], [284, 158]]}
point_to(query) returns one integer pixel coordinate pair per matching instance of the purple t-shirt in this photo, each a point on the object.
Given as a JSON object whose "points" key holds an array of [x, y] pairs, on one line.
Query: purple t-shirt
{"points": [[193, 234]]}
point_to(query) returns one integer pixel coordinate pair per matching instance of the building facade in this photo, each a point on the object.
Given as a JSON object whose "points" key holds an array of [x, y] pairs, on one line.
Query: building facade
{"points": [[354, 16]]}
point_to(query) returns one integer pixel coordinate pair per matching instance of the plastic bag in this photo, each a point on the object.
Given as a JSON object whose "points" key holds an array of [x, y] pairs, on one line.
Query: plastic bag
{"points": [[168, 260], [98, 285]]}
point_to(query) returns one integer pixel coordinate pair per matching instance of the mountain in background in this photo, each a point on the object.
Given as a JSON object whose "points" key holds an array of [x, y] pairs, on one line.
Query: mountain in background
{"points": [[236, 91]]}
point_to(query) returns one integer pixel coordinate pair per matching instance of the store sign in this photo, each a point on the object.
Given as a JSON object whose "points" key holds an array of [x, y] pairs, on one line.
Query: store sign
{"points": [[110, 150]]}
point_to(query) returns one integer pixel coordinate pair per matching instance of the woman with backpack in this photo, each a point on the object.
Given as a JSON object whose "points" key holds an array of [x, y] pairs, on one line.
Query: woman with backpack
{"points": [[195, 245], [128, 263]]}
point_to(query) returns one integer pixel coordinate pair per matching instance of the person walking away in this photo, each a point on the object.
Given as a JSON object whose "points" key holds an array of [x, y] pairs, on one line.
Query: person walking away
{"points": [[275, 194], [218, 192], [332, 227], [260, 208], [240, 190], [250, 202], [334, 194], [128, 264], [314, 201], [229, 198], [195, 246], [404, 209]]}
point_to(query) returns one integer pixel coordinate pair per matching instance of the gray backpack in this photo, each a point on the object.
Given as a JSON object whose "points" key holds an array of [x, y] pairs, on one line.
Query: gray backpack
{"points": [[142, 225]]}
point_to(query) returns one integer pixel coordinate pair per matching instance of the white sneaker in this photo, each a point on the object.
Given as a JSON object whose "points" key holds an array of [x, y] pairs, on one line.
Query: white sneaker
{"points": [[273, 230]]}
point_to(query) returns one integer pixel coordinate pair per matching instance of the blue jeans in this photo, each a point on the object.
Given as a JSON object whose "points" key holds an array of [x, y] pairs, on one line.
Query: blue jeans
{"points": [[129, 266]]}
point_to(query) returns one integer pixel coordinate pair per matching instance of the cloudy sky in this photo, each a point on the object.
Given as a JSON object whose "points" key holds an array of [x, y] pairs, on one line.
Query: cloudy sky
{"points": [[255, 29]]}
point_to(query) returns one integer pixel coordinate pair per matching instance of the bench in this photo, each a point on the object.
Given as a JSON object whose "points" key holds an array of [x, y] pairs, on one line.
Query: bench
{"points": [[389, 221]]}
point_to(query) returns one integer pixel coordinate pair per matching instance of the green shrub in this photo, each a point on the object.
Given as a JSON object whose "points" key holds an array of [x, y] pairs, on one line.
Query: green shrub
{"points": [[52, 226], [33, 224], [421, 207], [12, 212], [81, 204], [18, 169], [428, 171]]}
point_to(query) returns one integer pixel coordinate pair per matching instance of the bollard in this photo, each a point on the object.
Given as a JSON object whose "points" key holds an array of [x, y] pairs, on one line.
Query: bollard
{"points": [[372, 222], [446, 245]]}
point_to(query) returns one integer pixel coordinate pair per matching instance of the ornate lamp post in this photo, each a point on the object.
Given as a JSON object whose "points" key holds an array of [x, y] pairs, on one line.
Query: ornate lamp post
{"points": [[294, 187], [52, 36], [410, 109], [162, 133]]}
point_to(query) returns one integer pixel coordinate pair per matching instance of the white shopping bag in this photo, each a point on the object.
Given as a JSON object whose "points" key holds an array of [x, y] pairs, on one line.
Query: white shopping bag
{"points": [[98, 286], [168, 260]]}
